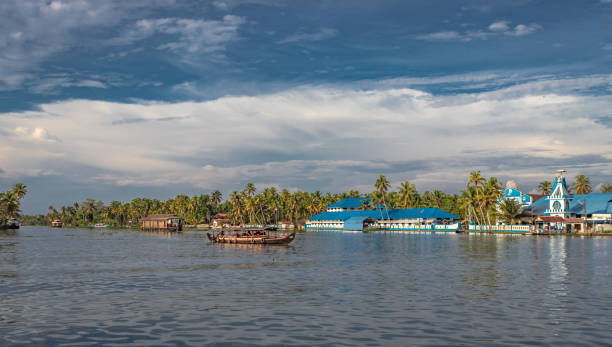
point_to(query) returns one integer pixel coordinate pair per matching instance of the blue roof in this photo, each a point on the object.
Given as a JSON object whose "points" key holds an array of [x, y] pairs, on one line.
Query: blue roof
{"points": [[348, 203], [409, 213], [595, 203]]}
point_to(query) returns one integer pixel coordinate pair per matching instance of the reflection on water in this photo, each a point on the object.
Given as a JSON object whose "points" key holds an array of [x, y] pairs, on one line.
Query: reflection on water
{"points": [[8, 253], [83, 286]]}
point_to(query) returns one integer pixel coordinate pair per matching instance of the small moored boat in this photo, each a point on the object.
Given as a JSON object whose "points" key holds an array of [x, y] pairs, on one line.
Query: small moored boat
{"points": [[57, 224], [12, 223], [255, 236]]}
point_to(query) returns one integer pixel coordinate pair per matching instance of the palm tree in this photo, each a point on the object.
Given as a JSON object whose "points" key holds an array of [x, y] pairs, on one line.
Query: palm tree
{"points": [[250, 189], [10, 204], [545, 187], [382, 185], [606, 188], [215, 200], [475, 178], [510, 209], [582, 185], [468, 203], [437, 198], [491, 193], [407, 192], [20, 190]]}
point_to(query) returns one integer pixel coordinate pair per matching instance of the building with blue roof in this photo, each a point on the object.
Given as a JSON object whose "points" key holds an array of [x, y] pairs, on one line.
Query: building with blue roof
{"points": [[349, 214], [593, 208], [348, 204], [512, 193]]}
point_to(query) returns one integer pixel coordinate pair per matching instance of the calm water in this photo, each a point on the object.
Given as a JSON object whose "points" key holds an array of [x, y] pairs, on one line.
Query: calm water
{"points": [[78, 286]]}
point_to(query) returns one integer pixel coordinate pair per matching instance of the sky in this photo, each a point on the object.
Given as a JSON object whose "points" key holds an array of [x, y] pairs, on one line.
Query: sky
{"points": [[114, 100]]}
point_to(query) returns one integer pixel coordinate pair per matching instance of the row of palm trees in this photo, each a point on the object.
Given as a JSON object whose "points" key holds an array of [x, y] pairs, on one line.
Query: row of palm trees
{"points": [[195, 209], [10, 203], [478, 202]]}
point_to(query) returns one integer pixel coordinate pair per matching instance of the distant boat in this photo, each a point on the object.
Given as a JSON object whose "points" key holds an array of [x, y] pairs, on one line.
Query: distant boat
{"points": [[12, 223], [100, 225], [57, 224], [254, 236], [161, 222]]}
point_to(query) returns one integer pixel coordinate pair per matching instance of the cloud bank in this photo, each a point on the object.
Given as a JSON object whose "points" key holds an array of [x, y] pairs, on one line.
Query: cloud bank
{"points": [[319, 137]]}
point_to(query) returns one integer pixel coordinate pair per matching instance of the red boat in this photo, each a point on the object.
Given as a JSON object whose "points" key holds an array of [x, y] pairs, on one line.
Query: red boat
{"points": [[255, 236]]}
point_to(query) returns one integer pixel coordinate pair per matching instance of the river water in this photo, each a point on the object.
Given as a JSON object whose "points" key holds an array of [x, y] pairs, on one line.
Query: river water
{"points": [[118, 287]]}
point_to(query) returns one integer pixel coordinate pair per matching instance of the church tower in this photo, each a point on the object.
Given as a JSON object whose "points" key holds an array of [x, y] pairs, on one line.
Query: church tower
{"points": [[559, 198]]}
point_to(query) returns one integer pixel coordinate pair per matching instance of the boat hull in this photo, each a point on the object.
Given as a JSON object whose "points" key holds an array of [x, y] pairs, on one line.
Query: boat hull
{"points": [[252, 240]]}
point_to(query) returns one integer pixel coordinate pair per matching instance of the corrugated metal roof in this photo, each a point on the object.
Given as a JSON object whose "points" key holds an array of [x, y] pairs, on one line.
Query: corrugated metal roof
{"points": [[410, 213], [348, 203]]}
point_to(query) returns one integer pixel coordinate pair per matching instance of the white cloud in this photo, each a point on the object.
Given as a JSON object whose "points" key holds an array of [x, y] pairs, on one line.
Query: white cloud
{"points": [[36, 134], [190, 35], [494, 29], [323, 34], [332, 137], [443, 36], [499, 26], [522, 29]]}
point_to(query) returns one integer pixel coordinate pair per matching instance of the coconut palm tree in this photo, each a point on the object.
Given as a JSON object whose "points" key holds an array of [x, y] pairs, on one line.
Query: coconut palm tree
{"points": [[407, 192], [510, 209], [382, 185], [475, 178], [606, 188], [10, 204], [468, 202], [545, 187], [250, 189], [582, 185], [20, 190], [437, 198]]}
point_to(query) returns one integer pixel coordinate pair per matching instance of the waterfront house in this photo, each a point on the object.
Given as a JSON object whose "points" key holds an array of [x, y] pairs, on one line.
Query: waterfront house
{"points": [[161, 222]]}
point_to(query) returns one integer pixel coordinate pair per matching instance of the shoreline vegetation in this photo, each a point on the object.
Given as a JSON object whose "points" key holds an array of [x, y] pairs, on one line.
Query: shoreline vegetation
{"points": [[10, 204], [477, 203]]}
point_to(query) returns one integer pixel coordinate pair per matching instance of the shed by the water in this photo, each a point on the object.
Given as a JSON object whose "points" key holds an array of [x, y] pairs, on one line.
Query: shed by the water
{"points": [[161, 222]]}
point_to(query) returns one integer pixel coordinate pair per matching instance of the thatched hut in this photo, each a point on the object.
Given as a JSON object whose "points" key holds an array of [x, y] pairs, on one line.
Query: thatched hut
{"points": [[161, 222]]}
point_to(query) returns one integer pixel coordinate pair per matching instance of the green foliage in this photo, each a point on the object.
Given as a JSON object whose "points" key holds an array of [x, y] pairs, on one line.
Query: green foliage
{"points": [[606, 188], [510, 209], [10, 203], [582, 185], [480, 197], [545, 187]]}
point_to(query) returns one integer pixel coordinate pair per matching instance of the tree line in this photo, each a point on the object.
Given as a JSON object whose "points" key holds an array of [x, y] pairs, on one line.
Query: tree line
{"points": [[478, 202]]}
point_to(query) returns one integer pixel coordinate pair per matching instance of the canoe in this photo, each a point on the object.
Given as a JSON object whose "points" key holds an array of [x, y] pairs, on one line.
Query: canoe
{"points": [[261, 237]]}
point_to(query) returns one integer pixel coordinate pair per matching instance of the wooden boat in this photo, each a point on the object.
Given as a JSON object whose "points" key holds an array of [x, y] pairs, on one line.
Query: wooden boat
{"points": [[12, 224], [57, 224], [255, 236]]}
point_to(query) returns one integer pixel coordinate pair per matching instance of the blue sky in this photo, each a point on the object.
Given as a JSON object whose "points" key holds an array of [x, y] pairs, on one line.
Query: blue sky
{"points": [[119, 99]]}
